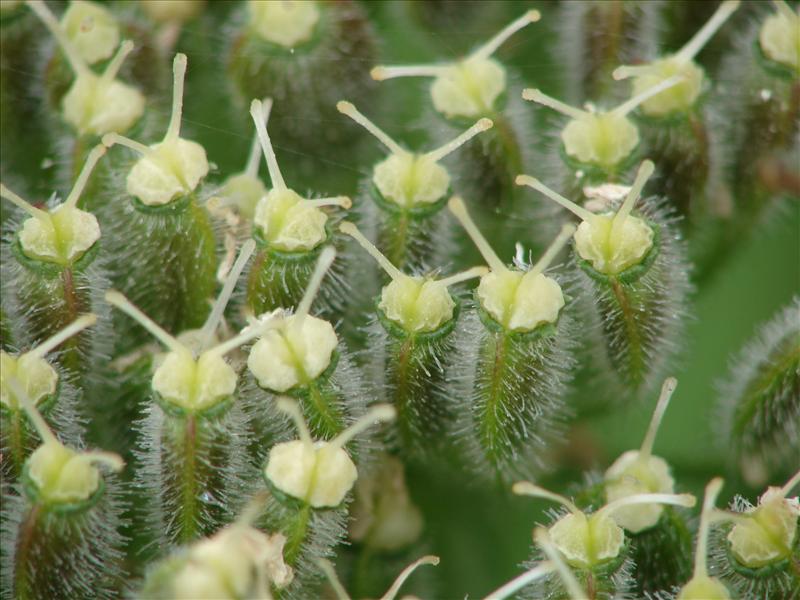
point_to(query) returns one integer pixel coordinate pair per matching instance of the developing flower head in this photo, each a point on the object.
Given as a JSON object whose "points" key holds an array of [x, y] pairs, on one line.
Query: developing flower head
{"points": [[639, 472], [767, 533], [32, 373], [299, 347], [681, 97], [172, 167], [92, 29], [701, 586], [384, 517], [93, 104], [587, 541], [64, 234], [471, 86], [417, 304], [196, 379], [611, 242], [605, 139], [394, 589], [287, 221], [318, 473], [58, 474], [239, 561], [406, 178], [284, 23], [779, 36], [518, 300]]}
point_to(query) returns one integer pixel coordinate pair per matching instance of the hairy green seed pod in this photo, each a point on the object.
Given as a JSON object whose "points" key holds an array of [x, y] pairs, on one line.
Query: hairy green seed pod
{"points": [[309, 482], [302, 357], [411, 345], [596, 37], [593, 544], [306, 56], [52, 274], [61, 523], [164, 216], [634, 273], [194, 469], [193, 439], [759, 401], [759, 553], [674, 127], [514, 360]]}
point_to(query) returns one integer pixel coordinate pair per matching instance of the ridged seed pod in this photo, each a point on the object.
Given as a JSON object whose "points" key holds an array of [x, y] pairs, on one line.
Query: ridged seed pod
{"points": [[412, 344], [634, 274], [514, 363]]}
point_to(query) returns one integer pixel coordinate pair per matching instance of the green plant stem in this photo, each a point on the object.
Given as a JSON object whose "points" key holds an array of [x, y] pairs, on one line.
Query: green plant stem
{"points": [[489, 423], [296, 531], [188, 529], [22, 558], [632, 330]]}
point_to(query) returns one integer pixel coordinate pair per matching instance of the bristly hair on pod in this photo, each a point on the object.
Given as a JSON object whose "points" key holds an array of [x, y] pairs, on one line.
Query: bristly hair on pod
{"points": [[634, 272], [759, 400], [61, 523], [513, 361]]}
